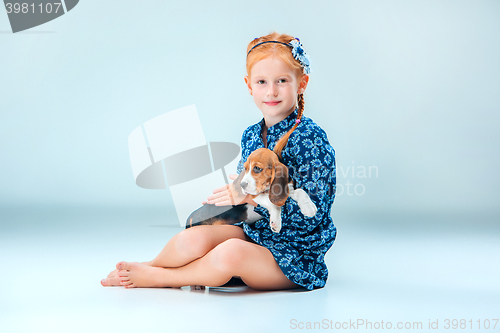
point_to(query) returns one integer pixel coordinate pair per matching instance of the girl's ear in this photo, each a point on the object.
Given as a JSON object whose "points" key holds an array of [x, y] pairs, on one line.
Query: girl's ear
{"points": [[247, 82], [303, 83], [279, 187]]}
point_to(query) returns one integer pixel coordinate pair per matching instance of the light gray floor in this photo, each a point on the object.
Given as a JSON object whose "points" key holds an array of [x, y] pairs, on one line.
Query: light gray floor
{"points": [[384, 266]]}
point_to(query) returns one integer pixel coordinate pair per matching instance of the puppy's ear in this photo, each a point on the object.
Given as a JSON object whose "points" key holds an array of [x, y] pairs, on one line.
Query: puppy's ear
{"points": [[279, 187], [236, 183]]}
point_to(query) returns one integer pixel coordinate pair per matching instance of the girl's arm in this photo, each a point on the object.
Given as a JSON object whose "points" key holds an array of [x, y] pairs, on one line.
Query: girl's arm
{"points": [[226, 195]]}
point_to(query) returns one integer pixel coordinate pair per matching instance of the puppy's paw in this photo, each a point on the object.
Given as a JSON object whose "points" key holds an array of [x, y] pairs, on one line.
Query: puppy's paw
{"points": [[275, 226], [308, 209]]}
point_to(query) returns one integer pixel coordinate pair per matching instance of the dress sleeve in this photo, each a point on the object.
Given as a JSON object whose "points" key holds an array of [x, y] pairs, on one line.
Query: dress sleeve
{"points": [[244, 150], [312, 165], [239, 168]]}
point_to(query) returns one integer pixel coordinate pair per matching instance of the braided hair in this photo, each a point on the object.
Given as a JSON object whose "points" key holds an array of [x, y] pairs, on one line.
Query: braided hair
{"points": [[284, 139]]}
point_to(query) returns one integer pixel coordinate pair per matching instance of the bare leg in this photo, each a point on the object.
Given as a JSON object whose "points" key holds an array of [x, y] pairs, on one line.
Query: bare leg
{"points": [[234, 257], [194, 243], [186, 246]]}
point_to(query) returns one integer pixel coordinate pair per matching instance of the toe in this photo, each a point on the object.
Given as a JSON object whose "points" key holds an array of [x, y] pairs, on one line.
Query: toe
{"points": [[123, 274], [130, 286], [122, 265], [104, 282]]}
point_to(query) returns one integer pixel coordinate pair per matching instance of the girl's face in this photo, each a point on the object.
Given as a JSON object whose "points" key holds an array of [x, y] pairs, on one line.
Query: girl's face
{"points": [[275, 87]]}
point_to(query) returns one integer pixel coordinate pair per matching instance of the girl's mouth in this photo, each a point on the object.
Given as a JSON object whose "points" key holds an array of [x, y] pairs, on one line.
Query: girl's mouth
{"points": [[272, 103]]}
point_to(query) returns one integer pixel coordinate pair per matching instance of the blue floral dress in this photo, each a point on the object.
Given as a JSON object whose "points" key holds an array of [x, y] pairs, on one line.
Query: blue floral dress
{"points": [[300, 247]]}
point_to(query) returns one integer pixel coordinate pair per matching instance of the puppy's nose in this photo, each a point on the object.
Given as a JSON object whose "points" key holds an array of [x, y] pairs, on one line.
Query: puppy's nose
{"points": [[243, 185]]}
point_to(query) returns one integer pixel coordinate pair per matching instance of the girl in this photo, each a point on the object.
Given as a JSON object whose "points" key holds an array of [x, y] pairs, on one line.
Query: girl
{"points": [[210, 255]]}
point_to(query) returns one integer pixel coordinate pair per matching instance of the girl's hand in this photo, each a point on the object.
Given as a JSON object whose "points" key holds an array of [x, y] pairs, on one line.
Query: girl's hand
{"points": [[226, 195]]}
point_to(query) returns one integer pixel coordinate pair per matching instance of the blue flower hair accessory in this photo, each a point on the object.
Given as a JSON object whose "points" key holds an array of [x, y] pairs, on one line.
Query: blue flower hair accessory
{"points": [[297, 51], [300, 55]]}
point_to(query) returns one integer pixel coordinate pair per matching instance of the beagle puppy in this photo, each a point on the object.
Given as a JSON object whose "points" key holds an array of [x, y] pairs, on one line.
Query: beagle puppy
{"points": [[265, 179]]}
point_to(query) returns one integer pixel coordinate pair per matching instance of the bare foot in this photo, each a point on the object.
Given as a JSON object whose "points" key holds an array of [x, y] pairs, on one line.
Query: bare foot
{"points": [[112, 280], [139, 275]]}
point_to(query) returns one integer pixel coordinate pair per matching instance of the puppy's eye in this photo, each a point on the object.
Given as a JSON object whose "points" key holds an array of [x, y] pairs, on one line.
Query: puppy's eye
{"points": [[257, 169]]}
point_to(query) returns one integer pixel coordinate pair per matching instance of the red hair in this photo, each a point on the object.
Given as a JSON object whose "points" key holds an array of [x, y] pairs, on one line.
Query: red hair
{"points": [[285, 54]]}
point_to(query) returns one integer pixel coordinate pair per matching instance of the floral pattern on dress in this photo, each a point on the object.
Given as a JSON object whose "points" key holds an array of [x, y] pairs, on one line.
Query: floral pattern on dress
{"points": [[300, 247]]}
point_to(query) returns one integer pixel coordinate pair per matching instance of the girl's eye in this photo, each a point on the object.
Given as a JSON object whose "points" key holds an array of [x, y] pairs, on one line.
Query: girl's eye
{"points": [[282, 80], [261, 82], [257, 169]]}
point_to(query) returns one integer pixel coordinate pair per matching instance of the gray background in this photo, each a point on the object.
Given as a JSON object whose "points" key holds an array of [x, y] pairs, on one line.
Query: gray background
{"points": [[410, 87]]}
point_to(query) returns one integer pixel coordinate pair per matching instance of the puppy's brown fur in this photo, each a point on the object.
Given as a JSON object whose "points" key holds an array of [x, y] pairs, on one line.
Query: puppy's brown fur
{"points": [[269, 174]]}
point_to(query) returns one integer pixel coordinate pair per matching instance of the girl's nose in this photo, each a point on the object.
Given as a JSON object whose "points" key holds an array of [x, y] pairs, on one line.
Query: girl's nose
{"points": [[272, 91]]}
